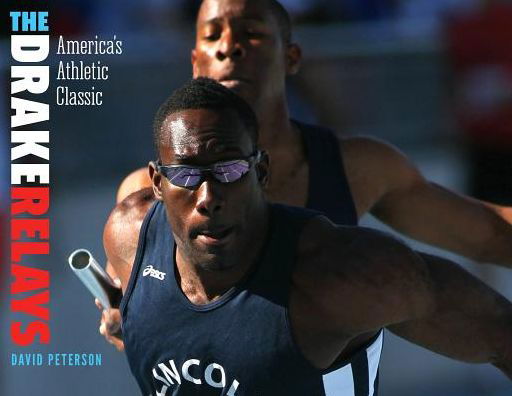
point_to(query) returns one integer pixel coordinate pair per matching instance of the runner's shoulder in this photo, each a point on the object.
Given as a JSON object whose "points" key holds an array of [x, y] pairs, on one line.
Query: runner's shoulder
{"points": [[130, 212], [326, 249], [135, 181]]}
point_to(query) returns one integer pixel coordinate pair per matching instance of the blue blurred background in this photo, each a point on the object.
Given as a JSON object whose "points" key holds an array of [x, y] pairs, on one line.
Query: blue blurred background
{"points": [[395, 69]]}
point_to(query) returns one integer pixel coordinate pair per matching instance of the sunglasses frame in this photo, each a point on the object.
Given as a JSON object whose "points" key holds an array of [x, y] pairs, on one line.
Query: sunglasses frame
{"points": [[252, 159]]}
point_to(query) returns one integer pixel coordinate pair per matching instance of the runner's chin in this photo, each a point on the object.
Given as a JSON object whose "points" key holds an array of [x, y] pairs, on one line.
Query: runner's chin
{"points": [[236, 86]]}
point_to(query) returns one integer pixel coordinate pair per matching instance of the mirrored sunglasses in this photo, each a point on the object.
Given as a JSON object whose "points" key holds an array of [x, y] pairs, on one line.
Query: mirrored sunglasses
{"points": [[223, 171]]}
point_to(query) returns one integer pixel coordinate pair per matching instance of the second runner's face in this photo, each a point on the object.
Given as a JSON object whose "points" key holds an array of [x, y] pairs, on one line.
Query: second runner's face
{"points": [[239, 44], [212, 223]]}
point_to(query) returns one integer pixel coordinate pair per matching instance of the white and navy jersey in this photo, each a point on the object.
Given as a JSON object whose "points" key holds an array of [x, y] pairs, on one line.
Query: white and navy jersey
{"points": [[238, 345], [357, 376]]}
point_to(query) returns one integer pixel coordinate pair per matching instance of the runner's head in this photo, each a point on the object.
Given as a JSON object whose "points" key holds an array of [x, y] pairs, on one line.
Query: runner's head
{"points": [[246, 45], [210, 173]]}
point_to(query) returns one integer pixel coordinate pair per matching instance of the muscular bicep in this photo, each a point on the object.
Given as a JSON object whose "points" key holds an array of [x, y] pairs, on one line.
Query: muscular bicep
{"points": [[365, 280], [471, 321], [386, 183], [121, 233], [388, 283], [119, 248], [375, 168]]}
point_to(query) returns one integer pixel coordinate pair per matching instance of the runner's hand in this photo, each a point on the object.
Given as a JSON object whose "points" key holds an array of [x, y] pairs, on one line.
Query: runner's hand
{"points": [[110, 325]]}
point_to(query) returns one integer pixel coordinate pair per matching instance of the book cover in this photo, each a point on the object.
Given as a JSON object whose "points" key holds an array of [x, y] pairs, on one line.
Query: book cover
{"points": [[82, 88], [81, 82]]}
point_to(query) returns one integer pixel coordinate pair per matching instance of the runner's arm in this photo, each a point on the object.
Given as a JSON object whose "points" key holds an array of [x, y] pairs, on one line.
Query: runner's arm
{"points": [[386, 183]]}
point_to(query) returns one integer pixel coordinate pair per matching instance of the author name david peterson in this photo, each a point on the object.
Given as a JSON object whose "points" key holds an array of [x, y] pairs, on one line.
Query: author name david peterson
{"points": [[56, 359]]}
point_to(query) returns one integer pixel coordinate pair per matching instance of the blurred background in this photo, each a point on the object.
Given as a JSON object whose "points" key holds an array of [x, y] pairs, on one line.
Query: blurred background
{"points": [[433, 77]]}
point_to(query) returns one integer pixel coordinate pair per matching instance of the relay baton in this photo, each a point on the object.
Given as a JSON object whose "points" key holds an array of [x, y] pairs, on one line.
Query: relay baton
{"points": [[94, 277]]}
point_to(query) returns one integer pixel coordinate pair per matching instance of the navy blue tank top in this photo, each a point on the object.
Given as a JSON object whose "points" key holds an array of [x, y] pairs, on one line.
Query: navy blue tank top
{"points": [[328, 190], [240, 344]]}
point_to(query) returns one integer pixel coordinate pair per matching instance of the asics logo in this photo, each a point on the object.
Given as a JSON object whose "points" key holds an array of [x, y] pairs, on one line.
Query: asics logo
{"points": [[149, 270]]}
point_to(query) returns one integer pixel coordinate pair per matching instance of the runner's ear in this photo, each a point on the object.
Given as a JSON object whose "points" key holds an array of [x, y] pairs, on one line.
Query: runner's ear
{"points": [[293, 58], [156, 179]]}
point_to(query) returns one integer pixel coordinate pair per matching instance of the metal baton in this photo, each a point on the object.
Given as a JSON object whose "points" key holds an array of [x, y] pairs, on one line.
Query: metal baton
{"points": [[94, 277]]}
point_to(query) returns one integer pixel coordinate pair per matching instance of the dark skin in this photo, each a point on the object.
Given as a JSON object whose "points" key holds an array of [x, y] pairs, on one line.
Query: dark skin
{"points": [[386, 283], [213, 208], [239, 43]]}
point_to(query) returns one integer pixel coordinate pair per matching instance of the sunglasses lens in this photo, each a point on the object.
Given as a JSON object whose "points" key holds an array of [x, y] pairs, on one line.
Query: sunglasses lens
{"points": [[184, 176], [224, 172], [228, 172]]}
